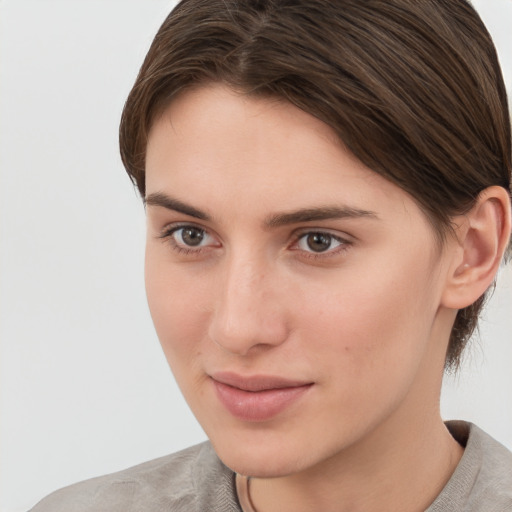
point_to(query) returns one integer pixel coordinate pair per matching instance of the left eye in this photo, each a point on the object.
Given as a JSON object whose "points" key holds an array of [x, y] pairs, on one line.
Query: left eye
{"points": [[318, 242]]}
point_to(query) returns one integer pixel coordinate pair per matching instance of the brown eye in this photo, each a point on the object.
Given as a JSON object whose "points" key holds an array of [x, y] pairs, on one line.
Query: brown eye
{"points": [[190, 236], [189, 239], [319, 242]]}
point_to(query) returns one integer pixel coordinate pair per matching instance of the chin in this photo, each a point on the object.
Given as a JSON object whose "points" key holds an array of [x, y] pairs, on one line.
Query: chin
{"points": [[262, 459], [257, 468]]}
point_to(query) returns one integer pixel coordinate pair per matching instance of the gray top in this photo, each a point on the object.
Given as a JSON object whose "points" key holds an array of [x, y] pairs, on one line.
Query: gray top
{"points": [[482, 481], [195, 480]]}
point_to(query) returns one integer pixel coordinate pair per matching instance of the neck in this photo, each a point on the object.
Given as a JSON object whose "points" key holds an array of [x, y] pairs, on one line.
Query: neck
{"points": [[404, 475], [400, 465]]}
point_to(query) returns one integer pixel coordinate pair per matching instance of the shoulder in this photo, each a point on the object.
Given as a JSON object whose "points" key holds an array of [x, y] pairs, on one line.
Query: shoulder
{"points": [[494, 482], [183, 481], [483, 479]]}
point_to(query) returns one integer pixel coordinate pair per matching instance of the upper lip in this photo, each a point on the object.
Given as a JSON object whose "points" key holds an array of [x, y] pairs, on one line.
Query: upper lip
{"points": [[256, 382]]}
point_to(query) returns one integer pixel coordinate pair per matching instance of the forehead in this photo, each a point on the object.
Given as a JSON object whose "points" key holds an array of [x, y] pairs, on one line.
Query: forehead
{"points": [[226, 150]]}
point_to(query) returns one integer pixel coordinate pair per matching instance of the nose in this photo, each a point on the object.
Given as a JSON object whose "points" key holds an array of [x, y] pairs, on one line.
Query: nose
{"points": [[249, 311]]}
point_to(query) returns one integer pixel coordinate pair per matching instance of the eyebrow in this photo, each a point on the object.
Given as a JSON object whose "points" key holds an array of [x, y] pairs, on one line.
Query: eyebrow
{"points": [[163, 200], [273, 221], [316, 214]]}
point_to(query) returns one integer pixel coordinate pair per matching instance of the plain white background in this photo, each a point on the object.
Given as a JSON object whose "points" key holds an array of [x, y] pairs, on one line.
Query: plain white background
{"points": [[84, 387]]}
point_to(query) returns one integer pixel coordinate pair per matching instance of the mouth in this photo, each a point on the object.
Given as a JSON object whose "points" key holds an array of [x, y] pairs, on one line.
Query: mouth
{"points": [[257, 398]]}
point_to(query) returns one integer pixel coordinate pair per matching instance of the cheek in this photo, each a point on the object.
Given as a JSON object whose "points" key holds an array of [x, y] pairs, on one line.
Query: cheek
{"points": [[367, 343], [178, 304], [373, 323]]}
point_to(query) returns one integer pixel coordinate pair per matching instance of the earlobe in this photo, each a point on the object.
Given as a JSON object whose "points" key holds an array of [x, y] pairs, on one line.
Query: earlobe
{"points": [[483, 237]]}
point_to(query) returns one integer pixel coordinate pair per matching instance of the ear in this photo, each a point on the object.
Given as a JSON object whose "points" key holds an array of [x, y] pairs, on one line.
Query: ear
{"points": [[482, 238]]}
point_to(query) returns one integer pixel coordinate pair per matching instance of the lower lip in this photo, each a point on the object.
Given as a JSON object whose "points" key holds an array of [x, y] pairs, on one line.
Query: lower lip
{"points": [[257, 405]]}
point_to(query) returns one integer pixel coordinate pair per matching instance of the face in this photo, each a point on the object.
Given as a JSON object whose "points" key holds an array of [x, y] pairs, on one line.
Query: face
{"points": [[295, 292]]}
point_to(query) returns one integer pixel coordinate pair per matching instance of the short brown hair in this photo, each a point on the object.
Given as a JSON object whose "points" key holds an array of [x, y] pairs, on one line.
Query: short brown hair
{"points": [[412, 88]]}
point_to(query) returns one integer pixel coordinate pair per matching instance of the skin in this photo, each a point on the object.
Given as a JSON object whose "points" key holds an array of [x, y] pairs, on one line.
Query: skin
{"points": [[364, 321]]}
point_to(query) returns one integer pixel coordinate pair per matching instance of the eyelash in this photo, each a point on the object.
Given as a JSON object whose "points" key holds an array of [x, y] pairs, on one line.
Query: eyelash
{"points": [[344, 244], [167, 235]]}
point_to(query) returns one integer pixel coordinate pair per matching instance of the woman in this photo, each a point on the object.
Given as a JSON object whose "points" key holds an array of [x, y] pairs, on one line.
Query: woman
{"points": [[327, 187]]}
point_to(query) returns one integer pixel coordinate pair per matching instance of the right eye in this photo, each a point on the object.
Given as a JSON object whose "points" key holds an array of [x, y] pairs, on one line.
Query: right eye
{"points": [[189, 238]]}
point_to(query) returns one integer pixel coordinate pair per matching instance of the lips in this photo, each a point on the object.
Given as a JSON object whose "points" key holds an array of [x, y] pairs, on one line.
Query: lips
{"points": [[257, 398]]}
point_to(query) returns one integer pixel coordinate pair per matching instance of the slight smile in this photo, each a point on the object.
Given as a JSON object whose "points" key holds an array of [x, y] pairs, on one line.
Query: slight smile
{"points": [[257, 398]]}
